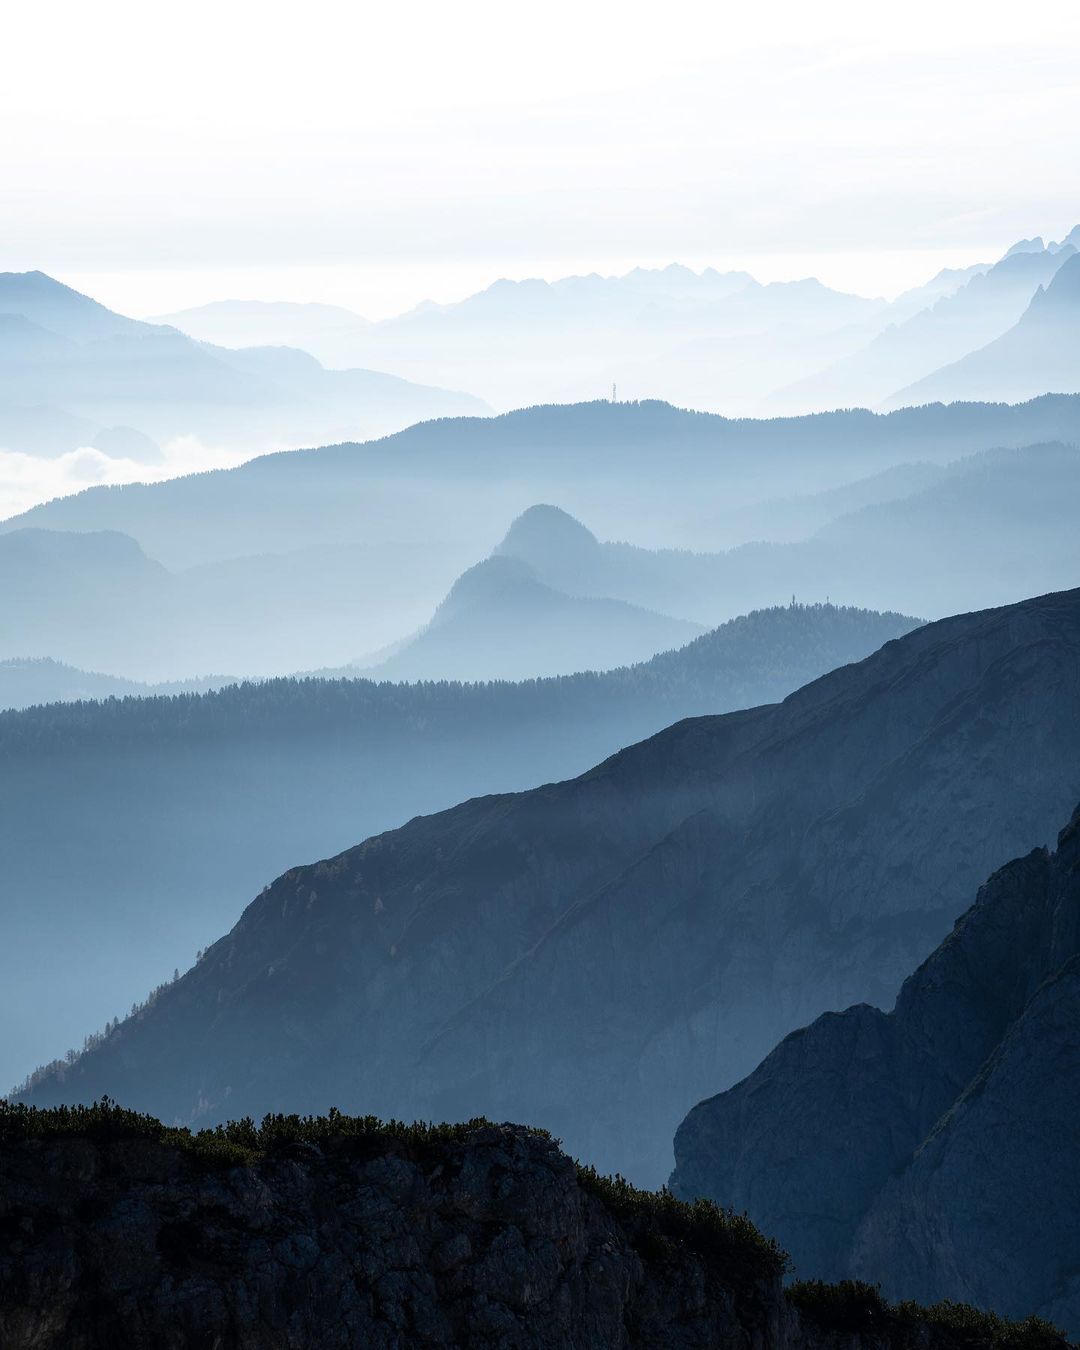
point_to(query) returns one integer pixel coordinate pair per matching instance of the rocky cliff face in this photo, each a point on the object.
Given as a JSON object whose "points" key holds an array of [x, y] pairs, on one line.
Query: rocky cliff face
{"points": [[932, 1150], [594, 956], [116, 1234]]}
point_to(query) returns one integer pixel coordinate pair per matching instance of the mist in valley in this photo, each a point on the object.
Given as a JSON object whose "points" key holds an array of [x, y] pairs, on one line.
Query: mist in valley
{"points": [[539, 583]]}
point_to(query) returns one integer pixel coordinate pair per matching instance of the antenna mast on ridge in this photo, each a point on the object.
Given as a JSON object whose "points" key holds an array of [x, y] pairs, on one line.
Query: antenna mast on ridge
{"points": [[613, 397]]}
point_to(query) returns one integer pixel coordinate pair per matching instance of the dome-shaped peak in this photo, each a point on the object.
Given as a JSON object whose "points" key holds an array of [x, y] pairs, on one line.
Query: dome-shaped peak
{"points": [[543, 532]]}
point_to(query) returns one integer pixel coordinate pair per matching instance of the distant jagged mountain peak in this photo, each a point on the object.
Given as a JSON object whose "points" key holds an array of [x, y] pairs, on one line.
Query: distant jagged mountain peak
{"points": [[1034, 245], [1071, 240], [1035, 356], [1063, 289]]}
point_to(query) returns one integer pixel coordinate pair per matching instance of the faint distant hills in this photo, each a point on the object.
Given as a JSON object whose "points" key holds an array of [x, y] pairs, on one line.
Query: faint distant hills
{"points": [[977, 312], [318, 559], [323, 330], [133, 831], [645, 471], [34, 681], [501, 622], [262, 375], [74, 373], [1039, 352], [712, 340], [718, 341], [95, 600]]}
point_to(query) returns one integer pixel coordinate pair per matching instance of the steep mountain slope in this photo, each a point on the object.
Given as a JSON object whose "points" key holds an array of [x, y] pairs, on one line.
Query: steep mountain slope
{"points": [[595, 955], [1036, 356], [642, 471], [931, 1149], [64, 353], [981, 310], [500, 622]]}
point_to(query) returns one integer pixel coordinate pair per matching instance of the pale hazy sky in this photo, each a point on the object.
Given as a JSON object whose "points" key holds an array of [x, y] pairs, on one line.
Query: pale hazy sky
{"points": [[374, 155]]}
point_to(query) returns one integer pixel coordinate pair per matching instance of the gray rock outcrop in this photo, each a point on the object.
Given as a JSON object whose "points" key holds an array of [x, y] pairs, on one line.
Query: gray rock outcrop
{"points": [[934, 1149]]}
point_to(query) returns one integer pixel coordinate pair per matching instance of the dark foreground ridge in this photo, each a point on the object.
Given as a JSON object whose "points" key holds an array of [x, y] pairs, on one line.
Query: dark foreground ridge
{"points": [[117, 1231]]}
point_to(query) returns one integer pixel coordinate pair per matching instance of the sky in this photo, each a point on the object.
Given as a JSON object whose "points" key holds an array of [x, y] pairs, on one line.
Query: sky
{"points": [[379, 155]]}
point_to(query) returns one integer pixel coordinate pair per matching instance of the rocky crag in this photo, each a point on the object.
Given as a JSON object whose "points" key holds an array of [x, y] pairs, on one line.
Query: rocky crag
{"points": [[932, 1149], [118, 1234]]}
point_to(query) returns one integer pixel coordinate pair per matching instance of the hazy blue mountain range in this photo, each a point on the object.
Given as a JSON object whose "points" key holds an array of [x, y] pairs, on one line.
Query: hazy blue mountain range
{"points": [[136, 829], [716, 341], [980, 310], [551, 599], [501, 622], [72, 370], [595, 955], [327, 558], [644, 471], [992, 528], [707, 340], [930, 1150], [1038, 353]]}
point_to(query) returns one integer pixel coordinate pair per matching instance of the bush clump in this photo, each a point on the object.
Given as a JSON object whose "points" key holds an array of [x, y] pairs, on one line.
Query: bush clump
{"points": [[659, 1224], [852, 1306], [236, 1143]]}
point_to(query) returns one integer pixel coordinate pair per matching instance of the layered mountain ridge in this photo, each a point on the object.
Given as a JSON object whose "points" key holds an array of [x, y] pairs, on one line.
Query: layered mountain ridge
{"points": [[736, 873], [262, 774]]}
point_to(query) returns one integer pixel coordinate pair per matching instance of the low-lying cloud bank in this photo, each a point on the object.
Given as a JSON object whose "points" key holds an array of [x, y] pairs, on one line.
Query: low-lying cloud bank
{"points": [[26, 480]]}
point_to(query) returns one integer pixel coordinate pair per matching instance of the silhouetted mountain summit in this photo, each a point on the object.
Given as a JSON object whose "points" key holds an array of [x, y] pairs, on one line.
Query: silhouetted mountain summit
{"points": [[931, 1150], [596, 955]]}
